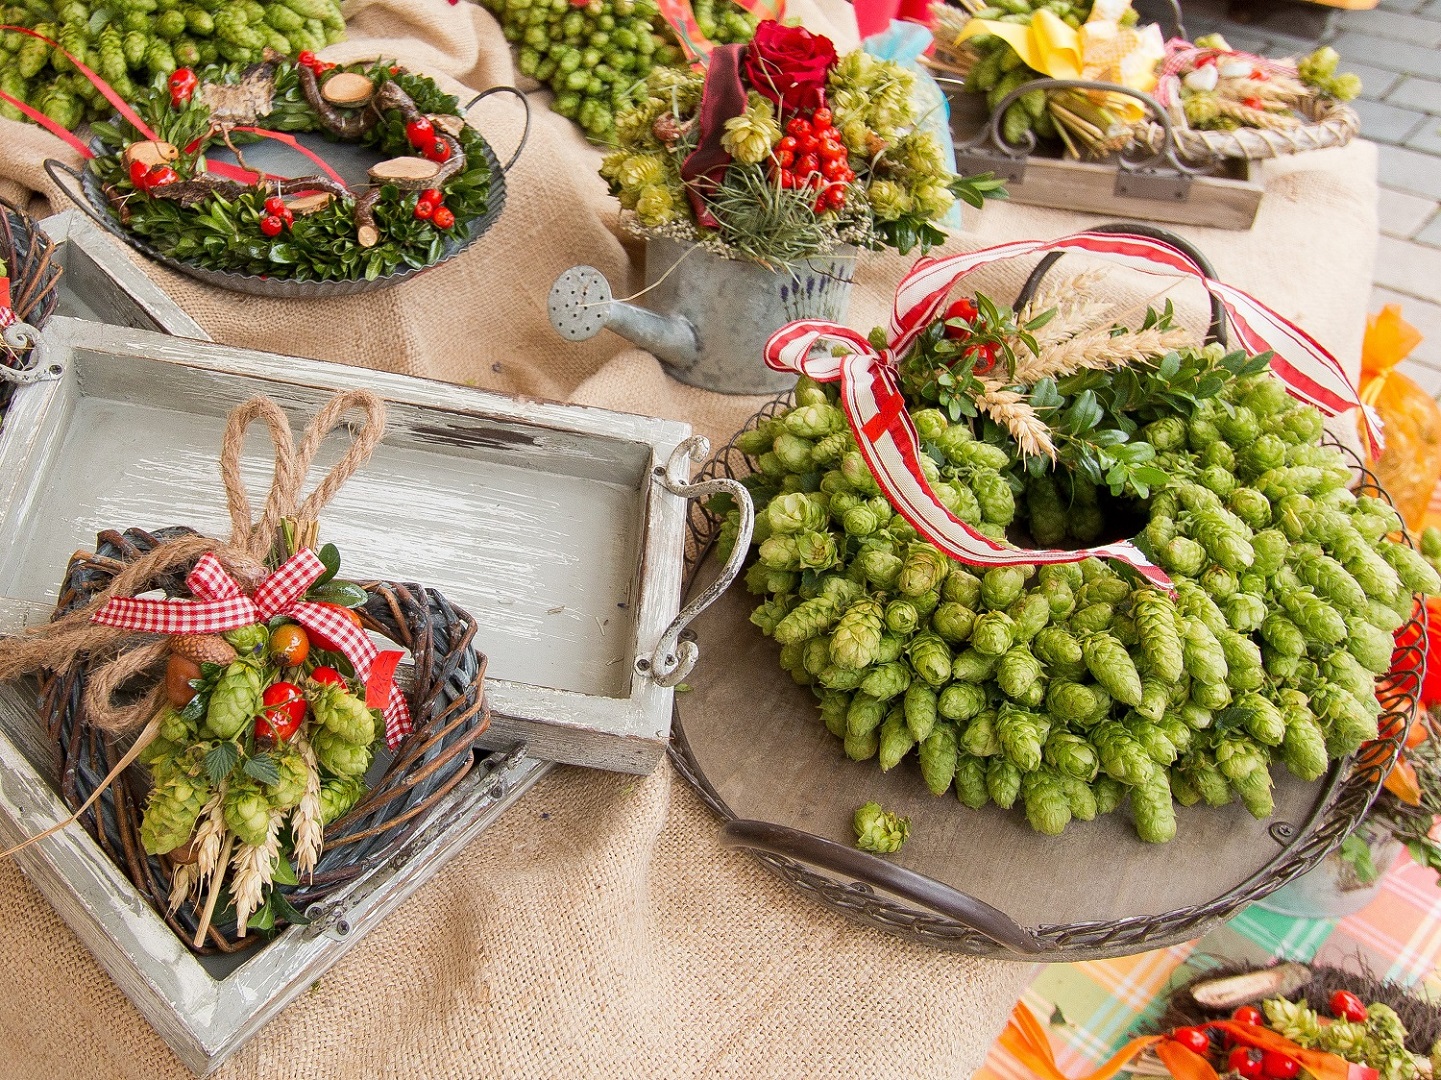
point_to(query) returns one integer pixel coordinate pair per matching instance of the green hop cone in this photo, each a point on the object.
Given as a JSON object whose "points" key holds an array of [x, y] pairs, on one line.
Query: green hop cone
{"points": [[961, 701], [1156, 629], [931, 658], [174, 728], [1030, 613], [993, 493], [1059, 650], [971, 781], [1244, 670], [1262, 720], [768, 615], [1370, 645], [1283, 636], [1245, 612], [171, 811], [1250, 506], [857, 637], [834, 705], [1205, 659], [920, 709], [1153, 813], [1074, 704], [1001, 586], [1254, 788], [795, 513], [1152, 738], [338, 794], [1328, 577], [1111, 666], [235, 700], [247, 810], [938, 755], [896, 740], [294, 774], [1003, 782], [1414, 571], [880, 830], [249, 640], [886, 681], [1059, 597], [862, 747], [953, 621], [864, 715], [344, 715], [993, 633], [816, 551], [1023, 736], [1092, 618], [1121, 756], [1048, 808], [1018, 673], [902, 617], [808, 619], [880, 568], [979, 738], [1071, 755], [339, 755], [962, 587], [923, 570], [1183, 556], [795, 454], [1225, 537], [1303, 750]]}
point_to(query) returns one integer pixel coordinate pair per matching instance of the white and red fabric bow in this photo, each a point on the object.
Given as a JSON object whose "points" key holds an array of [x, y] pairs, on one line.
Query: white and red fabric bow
{"points": [[871, 397], [222, 605]]}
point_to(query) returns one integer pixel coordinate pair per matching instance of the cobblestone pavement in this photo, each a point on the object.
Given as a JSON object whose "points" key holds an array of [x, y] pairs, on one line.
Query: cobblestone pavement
{"points": [[1396, 49]]}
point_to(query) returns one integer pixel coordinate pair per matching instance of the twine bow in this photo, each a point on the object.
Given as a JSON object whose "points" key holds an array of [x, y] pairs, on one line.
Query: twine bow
{"points": [[871, 397], [1026, 1040], [222, 605]]}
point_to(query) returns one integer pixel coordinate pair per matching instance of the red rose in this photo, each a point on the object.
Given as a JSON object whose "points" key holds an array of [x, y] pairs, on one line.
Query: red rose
{"points": [[788, 64]]}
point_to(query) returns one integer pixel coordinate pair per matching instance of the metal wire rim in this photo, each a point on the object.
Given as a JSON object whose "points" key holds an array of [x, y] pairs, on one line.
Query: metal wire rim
{"points": [[1354, 785]]}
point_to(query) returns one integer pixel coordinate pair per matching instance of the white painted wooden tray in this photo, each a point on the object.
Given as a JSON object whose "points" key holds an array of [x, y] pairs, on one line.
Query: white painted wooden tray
{"points": [[552, 524], [102, 284]]}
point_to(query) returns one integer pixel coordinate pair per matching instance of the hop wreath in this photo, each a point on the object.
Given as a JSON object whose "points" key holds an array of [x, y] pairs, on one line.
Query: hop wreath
{"points": [[429, 191]]}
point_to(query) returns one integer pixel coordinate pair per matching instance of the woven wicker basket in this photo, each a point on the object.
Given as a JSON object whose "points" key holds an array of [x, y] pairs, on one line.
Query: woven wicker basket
{"points": [[448, 708], [34, 271]]}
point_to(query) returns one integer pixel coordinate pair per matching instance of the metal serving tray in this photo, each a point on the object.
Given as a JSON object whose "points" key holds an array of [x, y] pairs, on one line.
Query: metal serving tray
{"points": [[102, 283]]}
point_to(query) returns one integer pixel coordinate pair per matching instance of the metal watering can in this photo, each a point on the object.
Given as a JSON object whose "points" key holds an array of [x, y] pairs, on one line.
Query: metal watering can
{"points": [[707, 318]]}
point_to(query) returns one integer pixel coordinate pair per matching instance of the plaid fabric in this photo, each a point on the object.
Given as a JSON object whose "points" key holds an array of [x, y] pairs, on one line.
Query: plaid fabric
{"points": [[7, 316], [1092, 1008], [222, 605]]}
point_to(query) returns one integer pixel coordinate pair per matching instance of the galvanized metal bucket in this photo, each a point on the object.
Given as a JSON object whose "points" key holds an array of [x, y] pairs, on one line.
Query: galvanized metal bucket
{"points": [[707, 318]]}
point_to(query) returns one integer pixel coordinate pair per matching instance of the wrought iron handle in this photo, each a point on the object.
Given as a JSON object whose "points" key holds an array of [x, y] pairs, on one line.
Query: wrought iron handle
{"points": [[1217, 330], [673, 658], [32, 368], [524, 131], [52, 167], [867, 869]]}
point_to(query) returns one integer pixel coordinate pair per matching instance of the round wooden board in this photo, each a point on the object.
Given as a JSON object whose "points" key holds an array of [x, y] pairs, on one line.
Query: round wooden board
{"points": [[757, 739]]}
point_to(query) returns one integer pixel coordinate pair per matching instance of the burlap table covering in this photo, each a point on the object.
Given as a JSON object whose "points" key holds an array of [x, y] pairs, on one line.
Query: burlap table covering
{"points": [[598, 930]]}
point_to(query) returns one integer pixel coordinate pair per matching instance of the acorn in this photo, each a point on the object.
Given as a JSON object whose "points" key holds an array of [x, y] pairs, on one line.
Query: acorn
{"points": [[203, 648], [178, 675]]}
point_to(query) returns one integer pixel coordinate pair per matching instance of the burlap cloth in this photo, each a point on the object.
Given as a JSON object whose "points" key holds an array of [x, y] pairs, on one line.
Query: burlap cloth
{"points": [[598, 930]]}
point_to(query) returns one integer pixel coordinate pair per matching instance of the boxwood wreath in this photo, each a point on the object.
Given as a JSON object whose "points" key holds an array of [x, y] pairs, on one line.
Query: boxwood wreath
{"points": [[325, 231]]}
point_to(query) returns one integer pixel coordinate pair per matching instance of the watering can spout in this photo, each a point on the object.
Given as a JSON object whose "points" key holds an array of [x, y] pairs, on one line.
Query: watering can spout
{"points": [[582, 305]]}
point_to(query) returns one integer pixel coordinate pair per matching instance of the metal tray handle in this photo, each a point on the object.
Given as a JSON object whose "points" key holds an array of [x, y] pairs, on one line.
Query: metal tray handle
{"points": [[524, 131], [674, 658], [36, 367], [874, 872]]}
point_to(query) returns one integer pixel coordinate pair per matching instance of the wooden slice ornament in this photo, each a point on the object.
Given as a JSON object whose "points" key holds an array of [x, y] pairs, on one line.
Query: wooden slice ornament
{"points": [[149, 153], [309, 204], [348, 89], [406, 173], [450, 125]]}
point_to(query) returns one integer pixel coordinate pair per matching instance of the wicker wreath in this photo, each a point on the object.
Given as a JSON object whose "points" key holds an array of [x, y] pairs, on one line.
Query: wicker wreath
{"points": [[448, 708], [1331, 123], [34, 270]]}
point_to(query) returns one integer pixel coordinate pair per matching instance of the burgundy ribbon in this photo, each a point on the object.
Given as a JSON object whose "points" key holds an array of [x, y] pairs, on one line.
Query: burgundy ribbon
{"points": [[724, 97]]}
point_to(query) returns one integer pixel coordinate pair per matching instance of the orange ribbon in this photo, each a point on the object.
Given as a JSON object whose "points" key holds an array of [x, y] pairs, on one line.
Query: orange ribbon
{"points": [[1028, 1043]]}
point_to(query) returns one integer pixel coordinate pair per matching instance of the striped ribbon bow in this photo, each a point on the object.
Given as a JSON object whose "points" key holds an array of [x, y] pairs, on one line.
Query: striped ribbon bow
{"points": [[871, 397], [221, 605]]}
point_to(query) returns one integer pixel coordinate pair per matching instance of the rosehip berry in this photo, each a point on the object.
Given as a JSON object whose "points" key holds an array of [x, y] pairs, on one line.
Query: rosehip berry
{"points": [[140, 175], [275, 205], [835, 197], [1248, 1014], [439, 151], [424, 209], [819, 206], [808, 144], [984, 357], [272, 225], [964, 308], [434, 196], [284, 710], [318, 639], [831, 169], [786, 179], [822, 117], [182, 83], [328, 676], [306, 58], [442, 218], [420, 133], [798, 127], [847, 175], [815, 181], [289, 644], [321, 67], [159, 176], [787, 144], [1276, 1066], [832, 149], [807, 164], [1347, 1006], [1246, 1062], [784, 158], [1193, 1039]]}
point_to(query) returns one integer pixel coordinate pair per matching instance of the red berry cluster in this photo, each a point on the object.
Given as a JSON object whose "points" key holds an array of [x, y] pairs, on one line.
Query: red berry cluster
{"points": [[420, 133], [277, 217], [1249, 1062], [960, 319], [313, 62], [811, 155], [431, 207], [148, 179]]}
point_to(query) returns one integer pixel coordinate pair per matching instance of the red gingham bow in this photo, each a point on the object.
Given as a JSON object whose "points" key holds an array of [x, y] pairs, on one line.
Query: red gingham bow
{"points": [[221, 605], [872, 400]]}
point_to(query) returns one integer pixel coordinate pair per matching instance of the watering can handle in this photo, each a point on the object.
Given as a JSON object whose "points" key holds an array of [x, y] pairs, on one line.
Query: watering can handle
{"points": [[524, 131], [674, 658]]}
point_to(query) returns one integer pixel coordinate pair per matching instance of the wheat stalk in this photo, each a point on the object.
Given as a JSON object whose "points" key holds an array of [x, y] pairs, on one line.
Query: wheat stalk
{"points": [[1078, 308], [253, 864], [181, 883], [210, 835], [1012, 411], [1098, 349], [1257, 118], [306, 825]]}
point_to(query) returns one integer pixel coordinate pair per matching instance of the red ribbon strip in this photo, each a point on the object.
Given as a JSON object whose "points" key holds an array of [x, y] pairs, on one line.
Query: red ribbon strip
{"points": [[872, 400], [95, 80], [56, 129], [222, 605]]}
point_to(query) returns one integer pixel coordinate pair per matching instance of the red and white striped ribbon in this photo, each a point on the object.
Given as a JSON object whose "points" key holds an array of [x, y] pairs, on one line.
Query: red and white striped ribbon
{"points": [[873, 403], [222, 605]]}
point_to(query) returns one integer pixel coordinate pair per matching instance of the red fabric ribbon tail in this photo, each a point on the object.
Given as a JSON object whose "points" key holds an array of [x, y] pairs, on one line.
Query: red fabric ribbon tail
{"points": [[724, 97], [49, 125]]}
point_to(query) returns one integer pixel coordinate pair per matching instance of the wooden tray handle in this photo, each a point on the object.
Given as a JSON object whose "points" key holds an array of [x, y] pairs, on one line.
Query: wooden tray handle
{"points": [[863, 868]]}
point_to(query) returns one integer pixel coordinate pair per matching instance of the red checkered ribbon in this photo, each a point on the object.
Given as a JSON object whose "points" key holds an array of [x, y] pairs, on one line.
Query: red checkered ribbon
{"points": [[7, 313], [1182, 56], [871, 397], [221, 605]]}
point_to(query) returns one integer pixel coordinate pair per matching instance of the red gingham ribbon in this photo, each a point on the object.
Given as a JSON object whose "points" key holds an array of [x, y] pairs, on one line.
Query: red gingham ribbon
{"points": [[222, 605], [872, 400], [1182, 56]]}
